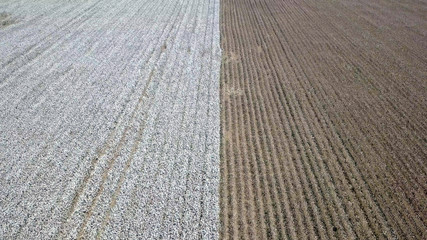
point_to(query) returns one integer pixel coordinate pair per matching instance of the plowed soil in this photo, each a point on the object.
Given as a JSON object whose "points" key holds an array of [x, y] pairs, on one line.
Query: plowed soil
{"points": [[323, 119]]}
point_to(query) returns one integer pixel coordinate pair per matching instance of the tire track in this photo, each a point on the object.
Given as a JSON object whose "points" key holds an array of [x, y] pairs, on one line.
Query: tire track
{"points": [[117, 149]]}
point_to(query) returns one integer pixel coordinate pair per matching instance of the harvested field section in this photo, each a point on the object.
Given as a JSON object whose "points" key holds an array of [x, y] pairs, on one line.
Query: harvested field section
{"points": [[323, 119], [109, 119]]}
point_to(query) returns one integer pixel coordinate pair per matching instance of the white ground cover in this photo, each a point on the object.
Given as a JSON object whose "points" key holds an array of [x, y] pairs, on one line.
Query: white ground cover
{"points": [[109, 119]]}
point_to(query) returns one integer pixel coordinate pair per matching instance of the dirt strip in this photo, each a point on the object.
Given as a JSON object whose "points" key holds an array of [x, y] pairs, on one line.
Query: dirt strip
{"points": [[323, 119]]}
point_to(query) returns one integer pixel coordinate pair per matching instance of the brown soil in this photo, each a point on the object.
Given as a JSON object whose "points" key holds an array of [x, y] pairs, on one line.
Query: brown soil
{"points": [[323, 119], [6, 19]]}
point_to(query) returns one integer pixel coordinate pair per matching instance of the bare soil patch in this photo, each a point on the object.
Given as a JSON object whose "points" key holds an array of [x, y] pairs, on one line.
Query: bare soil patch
{"points": [[6, 19]]}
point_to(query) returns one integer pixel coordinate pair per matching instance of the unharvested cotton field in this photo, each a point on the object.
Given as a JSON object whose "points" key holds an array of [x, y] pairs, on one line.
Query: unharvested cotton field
{"points": [[323, 112], [109, 119]]}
